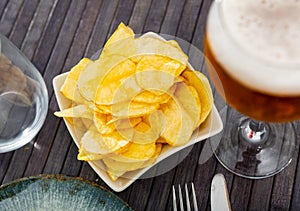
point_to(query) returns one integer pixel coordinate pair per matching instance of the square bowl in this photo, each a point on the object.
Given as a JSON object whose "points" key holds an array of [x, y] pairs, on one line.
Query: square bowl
{"points": [[212, 126]]}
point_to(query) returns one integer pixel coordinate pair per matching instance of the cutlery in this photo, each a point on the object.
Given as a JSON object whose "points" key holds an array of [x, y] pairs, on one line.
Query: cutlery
{"points": [[219, 199]]}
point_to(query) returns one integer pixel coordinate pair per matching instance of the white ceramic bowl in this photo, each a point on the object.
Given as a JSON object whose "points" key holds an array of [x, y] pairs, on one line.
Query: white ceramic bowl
{"points": [[210, 127]]}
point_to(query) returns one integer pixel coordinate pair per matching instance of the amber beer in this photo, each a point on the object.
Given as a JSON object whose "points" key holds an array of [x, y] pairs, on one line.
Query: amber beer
{"points": [[253, 56]]}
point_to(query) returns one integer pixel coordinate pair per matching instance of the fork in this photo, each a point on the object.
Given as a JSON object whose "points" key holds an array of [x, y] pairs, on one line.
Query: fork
{"points": [[188, 205]]}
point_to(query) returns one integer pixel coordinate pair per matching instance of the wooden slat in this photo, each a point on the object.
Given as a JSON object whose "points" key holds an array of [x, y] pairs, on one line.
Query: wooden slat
{"points": [[198, 38], [189, 18], [9, 16], [102, 26], [43, 142], [4, 165], [261, 194], [161, 191], [283, 185], [83, 34], [122, 14], [240, 193], [155, 16], [172, 17], [2, 7], [23, 21], [63, 42], [202, 181], [37, 27], [295, 203], [47, 42], [58, 152], [71, 165], [139, 15]]}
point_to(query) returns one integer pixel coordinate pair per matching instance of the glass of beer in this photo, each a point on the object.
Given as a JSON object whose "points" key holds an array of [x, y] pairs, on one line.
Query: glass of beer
{"points": [[252, 49]]}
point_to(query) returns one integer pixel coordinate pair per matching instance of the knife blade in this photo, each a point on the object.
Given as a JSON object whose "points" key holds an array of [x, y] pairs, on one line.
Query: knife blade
{"points": [[219, 198]]}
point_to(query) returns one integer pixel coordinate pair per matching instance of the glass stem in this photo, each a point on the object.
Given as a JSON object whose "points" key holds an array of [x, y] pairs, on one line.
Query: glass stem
{"points": [[253, 133]]}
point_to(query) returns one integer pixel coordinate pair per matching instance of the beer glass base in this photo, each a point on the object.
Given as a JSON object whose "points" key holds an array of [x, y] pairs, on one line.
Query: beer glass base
{"points": [[254, 151]]}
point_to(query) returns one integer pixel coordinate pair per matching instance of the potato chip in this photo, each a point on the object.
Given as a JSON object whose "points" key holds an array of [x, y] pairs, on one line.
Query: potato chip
{"points": [[106, 125], [117, 88], [122, 32], [131, 48], [202, 86], [132, 109], [93, 142], [135, 152], [92, 76], [69, 88], [145, 132], [187, 96], [179, 125], [116, 169], [162, 70], [100, 121], [120, 124], [77, 111], [88, 156]]}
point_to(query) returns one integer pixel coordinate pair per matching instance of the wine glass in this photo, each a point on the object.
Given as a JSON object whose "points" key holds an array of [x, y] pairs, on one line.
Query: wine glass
{"points": [[252, 50]]}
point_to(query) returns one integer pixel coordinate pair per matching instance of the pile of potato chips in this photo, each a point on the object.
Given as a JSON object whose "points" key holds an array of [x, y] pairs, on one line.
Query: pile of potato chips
{"points": [[137, 97]]}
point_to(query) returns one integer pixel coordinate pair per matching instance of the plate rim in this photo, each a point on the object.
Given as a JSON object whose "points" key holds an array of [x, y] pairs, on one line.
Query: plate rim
{"points": [[62, 178]]}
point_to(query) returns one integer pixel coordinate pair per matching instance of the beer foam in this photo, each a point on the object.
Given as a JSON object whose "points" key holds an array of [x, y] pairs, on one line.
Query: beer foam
{"points": [[258, 42]]}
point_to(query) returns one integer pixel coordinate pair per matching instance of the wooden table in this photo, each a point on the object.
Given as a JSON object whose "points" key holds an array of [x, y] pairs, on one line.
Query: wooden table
{"points": [[56, 34]]}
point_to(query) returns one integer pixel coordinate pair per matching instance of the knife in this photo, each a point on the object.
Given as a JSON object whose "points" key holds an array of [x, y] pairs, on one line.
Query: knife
{"points": [[219, 198]]}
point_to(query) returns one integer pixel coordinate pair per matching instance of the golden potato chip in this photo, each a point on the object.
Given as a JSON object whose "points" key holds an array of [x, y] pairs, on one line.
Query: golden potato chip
{"points": [[94, 73], [162, 70], [86, 122], [114, 171], [93, 142], [120, 124], [135, 152], [132, 109], [187, 96], [77, 111], [117, 86], [88, 156], [201, 84], [122, 32], [69, 88], [179, 125], [100, 121], [154, 96], [106, 125], [88, 82], [132, 48], [118, 166], [145, 132]]}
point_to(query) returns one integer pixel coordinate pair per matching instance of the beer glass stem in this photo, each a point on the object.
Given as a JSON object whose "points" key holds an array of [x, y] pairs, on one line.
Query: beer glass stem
{"points": [[253, 133], [253, 149]]}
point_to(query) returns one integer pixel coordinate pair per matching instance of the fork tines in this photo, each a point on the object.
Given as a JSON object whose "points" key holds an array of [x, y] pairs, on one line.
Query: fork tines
{"points": [[187, 199]]}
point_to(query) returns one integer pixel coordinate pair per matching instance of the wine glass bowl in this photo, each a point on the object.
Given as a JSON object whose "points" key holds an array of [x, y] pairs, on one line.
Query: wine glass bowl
{"points": [[23, 98]]}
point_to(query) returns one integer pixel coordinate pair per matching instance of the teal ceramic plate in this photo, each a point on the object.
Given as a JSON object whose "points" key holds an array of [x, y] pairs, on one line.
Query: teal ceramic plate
{"points": [[57, 192]]}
